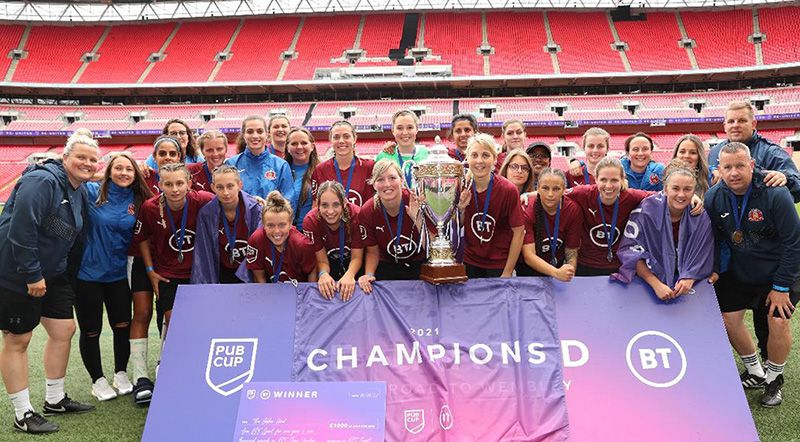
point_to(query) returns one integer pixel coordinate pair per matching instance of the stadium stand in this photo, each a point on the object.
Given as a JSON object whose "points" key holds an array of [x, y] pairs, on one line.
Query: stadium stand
{"points": [[518, 39], [380, 35], [251, 59], [54, 52], [717, 48], [594, 38], [123, 56], [443, 30], [9, 40], [312, 55], [780, 46], [653, 43]]}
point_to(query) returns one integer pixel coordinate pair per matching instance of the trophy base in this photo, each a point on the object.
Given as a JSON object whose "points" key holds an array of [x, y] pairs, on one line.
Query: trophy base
{"points": [[448, 274]]}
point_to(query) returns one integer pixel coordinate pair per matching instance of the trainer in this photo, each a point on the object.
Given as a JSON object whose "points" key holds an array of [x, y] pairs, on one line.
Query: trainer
{"points": [[762, 229], [42, 222]]}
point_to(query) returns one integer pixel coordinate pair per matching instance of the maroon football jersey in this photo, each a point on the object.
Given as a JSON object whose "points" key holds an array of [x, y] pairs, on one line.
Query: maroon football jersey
{"points": [[201, 177], [360, 190], [375, 232], [569, 229], [322, 237], [297, 259], [240, 246]]}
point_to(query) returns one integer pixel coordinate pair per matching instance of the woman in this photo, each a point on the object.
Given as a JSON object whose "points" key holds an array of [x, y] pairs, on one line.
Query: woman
{"points": [[261, 171], [596, 142], [278, 252], [40, 224], [179, 130], [540, 154], [279, 126], [349, 170], [303, 160], [165, 233], [223, 228], [462, 127], [513, 138], [663, 244], [691, 150], [406, 152], [103, 276], [391, 229], [552, 230], [166, 150], [493, 219], [517, 168], [332, 227], [642, 172], [214, 146]]}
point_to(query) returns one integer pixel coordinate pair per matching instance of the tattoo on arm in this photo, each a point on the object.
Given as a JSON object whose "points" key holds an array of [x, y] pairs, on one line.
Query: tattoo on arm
{"points": [[571, 256]]}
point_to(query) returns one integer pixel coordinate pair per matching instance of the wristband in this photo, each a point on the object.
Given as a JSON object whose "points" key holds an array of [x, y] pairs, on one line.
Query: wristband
{"points": [[369, 274], [148, 269], [321, 272], [779, 288]]}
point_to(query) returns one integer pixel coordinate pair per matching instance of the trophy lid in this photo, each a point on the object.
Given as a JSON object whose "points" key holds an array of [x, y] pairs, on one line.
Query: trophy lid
{"points": [[439, 162]]}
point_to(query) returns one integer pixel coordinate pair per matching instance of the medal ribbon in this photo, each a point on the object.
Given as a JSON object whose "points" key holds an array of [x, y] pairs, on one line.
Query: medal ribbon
{"points": [[400, 217], [739, 213], [407, 173], [231, 237], [208, 174], [276, 269], [341, 243], [180, 235], [585, 173], [349, 175], [554, 237], [486, 201], [609, 232]]}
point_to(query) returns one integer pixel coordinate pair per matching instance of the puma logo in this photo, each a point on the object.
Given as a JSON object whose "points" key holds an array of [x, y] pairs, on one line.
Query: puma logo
{"points": [[594, 212], [65, 202], [725, 215], [379, 228]]}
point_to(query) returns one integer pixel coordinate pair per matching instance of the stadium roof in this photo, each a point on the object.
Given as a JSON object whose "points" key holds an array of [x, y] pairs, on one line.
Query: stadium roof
{"points": [[108, 10]]}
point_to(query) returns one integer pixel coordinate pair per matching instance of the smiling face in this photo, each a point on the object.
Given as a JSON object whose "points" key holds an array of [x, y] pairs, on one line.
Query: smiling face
{"points": [[278, 130], [331, 208], [123, 171], [739, 125], [343, 140], [609, 183], [404, 130], [255, 135], [540, 157], [81, 163], [167, 153], [181, 132], [679, 191], [518, 171], [389, 185], [514, 136], [461, 132], [227, 187], [736, 170], [596, 148], [481, 160], [214, 151], [300, 147], [174, 186], [277, 226], [551, 190], [640, 152], [687, 152]]}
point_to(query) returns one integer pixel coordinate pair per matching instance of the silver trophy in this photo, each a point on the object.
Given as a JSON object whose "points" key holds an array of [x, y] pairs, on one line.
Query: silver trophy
{"points": [[439, 181]]}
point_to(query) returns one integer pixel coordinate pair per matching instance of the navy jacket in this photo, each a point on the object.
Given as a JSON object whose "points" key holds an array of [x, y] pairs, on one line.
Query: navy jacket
{"points": [[770, 252], [41, 225], [768, 156]]}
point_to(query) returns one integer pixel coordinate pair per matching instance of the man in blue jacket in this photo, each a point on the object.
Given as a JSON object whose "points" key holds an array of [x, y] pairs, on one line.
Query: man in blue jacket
{"points": [[761, 228], [40, 226]]}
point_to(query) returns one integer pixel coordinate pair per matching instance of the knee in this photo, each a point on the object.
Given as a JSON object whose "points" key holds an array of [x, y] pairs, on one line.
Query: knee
{"points": [[16, 343], [778, 325], [142, 314], [91, 334], [121, 325], [731, 320]]}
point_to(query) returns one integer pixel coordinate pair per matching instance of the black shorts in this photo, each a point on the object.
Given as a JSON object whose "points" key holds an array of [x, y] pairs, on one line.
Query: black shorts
{"points": [[20, 313], [392, 271], [734, 295], [139, 280], [228, 276], [166, 293], [474, 272], [583, 270]]}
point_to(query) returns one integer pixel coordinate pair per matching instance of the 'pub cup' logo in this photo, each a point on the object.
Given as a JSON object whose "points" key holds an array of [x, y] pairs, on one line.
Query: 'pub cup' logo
{"points": [[414, 420], [656, 359], [231, 363]]}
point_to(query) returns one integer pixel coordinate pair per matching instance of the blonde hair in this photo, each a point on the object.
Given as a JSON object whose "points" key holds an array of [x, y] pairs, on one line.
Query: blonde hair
{"points": [[613, 163], [739, 105], [677, 167], [211, 135], [80, 139], [225, 169], [596, 131], [485, 141], [276, 203], [379, 169], [405, 113]]}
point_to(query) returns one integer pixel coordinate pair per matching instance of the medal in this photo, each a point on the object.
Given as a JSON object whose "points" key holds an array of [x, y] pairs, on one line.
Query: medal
{"points": [[554, 262], [408, 173], [610, 256], [609, 231], [181, 234], [180, 257], [276, 268], [553, 237], [485, 203], [738, 236]]}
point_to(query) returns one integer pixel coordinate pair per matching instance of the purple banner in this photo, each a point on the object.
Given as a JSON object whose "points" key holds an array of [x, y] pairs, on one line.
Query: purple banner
{"points": [[638, 369], [478, 361]]}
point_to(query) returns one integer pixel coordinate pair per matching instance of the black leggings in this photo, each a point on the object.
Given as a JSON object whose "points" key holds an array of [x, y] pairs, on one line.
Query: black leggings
{"points": [[90, 297], [475, 272]]}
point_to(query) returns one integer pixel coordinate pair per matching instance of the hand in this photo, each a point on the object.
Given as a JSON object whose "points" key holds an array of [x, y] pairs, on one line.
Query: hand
{"points": [[37, 289], [565, 273], [326, 285], [261, 201], [663, 292], [365, 282], [347, 285], [780, 301], [413, 206], [155, 278], [715, 176], [683, 286], [713, 278], [775, 178], [389, 147], [146, 170], [575, 168], [697, 205], [464, 198], [506, 275]]}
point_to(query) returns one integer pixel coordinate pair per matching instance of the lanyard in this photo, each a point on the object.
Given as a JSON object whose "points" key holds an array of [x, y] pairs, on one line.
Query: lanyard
{"points": [[276, 269], [486, 201], [554, 236], [208, 174], [231, 237], [738, 214], [341, 244], [349, 175], [609, 231], [182, 233], [585, 173], [407, 173], [400, 217], [458, 154], [271, 149]]}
